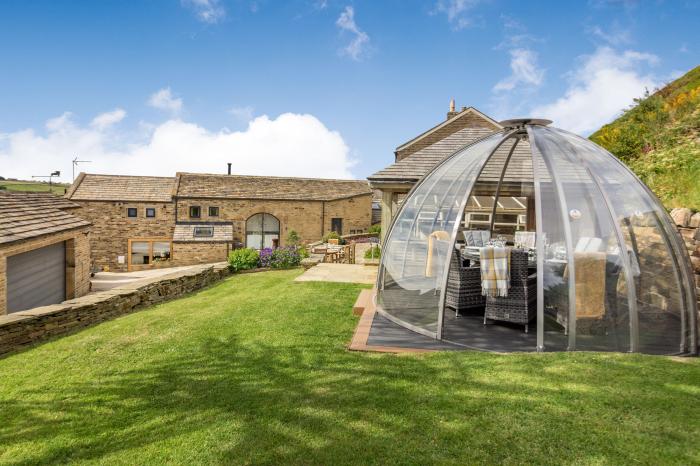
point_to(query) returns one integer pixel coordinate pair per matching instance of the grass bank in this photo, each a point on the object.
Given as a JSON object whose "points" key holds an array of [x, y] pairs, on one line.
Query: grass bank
{"points": [[254, 370]]}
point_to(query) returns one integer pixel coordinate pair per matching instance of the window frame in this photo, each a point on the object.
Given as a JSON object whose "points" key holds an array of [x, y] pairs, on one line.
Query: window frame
{"points": [[150, 242], [151, 209], [199, 210], [339, 222], [209, 228], [275, 235], [129, 210], [213, 209]]}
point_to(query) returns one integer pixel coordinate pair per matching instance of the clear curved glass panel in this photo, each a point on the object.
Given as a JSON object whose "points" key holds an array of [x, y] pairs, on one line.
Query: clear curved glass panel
{"points": [[499, 206], [417, 247], [664, 322], [554, 281], [601, 315]]}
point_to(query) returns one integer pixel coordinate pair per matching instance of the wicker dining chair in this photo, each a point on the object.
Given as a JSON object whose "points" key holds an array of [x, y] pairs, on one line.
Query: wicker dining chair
{"points": [[520, 306], [463, 286]]}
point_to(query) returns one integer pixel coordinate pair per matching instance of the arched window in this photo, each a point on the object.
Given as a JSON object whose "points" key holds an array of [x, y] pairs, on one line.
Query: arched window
{"points": [[262, 231]]}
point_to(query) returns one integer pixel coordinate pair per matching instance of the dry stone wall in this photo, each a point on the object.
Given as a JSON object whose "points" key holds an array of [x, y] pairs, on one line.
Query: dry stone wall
{"points": [[688, 224], [28, 327]]}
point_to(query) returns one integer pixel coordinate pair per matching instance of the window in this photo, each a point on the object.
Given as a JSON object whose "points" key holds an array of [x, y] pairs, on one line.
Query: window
{"points": [[150, 212], [141, 253], [132, 212], [337, 225], [161, 251], [195, 211], [480, 217], [149, 252], [262, 231], [213, 211], [203, 232]]}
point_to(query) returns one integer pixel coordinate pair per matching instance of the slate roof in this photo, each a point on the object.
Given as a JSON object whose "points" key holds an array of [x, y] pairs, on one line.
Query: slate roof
{"points": [[195, 185], [449, 121], [184, 232], [39, 199], [413, 167], [29, 215], [89, 187]]}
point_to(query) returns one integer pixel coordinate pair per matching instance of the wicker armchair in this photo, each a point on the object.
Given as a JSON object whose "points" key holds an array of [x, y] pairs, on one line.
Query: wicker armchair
{"points": [[463, 286], [520, 306]]}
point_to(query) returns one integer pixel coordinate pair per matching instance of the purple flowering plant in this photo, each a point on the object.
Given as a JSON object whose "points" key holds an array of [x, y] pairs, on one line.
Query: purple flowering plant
{"points": [[265, 257]]}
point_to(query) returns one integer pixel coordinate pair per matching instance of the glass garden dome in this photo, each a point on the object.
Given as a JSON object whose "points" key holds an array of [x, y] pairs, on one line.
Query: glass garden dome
{"points": [[595, 262]]}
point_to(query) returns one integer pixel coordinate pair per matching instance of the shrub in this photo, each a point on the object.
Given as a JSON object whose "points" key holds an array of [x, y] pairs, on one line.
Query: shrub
{"points": [[377, 229], [293, 238], [333, 235], [265, 257], [330, 235], [303, 252], [243, 259], [373, 252], [286, 257]]}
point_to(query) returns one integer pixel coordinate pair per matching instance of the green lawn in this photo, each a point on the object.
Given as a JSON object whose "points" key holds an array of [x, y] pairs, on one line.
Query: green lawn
{"points": [[254, 370], [31, 186]]}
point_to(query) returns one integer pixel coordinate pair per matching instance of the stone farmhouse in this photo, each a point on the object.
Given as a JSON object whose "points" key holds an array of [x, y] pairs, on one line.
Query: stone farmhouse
{"points": [[142, 222], [416, 157], [44, 251]]}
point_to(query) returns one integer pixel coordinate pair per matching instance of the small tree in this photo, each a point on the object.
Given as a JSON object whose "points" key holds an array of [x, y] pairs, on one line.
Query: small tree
{"points": [[293, 238]]}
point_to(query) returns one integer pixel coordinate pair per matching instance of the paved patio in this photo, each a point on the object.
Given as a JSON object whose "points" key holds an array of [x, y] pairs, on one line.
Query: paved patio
{"points": [[341, 273], [103, 281]]}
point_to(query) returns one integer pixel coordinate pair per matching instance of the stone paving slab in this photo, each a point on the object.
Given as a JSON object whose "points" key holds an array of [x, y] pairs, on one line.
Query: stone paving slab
{"points": [[108, 280], [340, 273]]}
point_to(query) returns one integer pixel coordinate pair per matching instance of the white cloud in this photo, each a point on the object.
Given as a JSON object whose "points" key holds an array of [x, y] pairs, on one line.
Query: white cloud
{"points": [[207, 11], [616, 36], [107, 119], [524, 70], [358, 47], [457, 11], [163, 99], [601, 86], [289, 145], [244, 114]]}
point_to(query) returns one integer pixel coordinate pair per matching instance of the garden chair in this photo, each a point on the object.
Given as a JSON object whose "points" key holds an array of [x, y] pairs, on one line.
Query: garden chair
{"points": [[463, 290], [520, 305]]}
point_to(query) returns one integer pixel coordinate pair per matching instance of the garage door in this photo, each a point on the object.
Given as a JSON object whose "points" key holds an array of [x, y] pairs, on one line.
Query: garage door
{"points": [[36, 278]]}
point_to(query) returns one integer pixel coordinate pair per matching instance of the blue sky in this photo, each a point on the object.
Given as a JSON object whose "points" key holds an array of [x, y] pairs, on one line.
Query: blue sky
{"points": [[310, 87]]}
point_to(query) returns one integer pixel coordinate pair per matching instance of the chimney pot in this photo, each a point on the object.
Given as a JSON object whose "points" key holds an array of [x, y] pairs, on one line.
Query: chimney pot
{"points": [[452, 111], [229, 168]]}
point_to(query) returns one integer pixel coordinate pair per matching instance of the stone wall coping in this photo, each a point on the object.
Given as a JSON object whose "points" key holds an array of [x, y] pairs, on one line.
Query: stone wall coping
{"points": [[96, 298]]}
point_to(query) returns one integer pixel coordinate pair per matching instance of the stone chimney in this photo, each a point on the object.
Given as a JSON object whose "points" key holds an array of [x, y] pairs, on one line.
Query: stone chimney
{"points": [[452, 111]]}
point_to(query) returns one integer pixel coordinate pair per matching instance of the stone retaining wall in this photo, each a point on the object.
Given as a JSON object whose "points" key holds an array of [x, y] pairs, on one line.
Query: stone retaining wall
{"points": [[27, 327], [691, 236], [688, 223]]}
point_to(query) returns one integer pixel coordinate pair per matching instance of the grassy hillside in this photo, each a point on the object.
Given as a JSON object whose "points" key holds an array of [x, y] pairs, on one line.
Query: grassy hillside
{"points": [[659, 138], [32, 186]]}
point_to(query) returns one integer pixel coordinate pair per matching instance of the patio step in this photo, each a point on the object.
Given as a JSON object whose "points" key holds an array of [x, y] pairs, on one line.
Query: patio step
{"points": [[364, 299]]}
